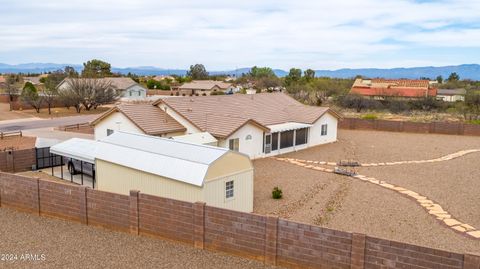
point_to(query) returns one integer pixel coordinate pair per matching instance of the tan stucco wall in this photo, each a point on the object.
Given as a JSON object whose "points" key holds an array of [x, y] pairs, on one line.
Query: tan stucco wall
{"points": [[230, 163]]}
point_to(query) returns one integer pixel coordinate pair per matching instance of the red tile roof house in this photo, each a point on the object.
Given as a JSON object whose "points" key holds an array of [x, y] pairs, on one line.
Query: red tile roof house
{"points": [[401, 88], [259, 125]]}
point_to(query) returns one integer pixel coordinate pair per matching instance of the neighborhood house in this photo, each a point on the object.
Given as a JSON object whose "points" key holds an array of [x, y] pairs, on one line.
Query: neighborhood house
{"points": [[400, 88], [167, 168], [258, 125], [128, 88], [203, 87], [451, 95]]}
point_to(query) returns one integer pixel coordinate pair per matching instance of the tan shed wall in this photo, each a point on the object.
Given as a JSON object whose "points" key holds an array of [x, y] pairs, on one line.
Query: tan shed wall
{"points": [[121, 179], [230, 163], [243, 192]]}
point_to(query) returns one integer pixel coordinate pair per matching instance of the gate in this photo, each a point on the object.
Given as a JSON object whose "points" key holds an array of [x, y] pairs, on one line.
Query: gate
{"points": [[44, 159]]}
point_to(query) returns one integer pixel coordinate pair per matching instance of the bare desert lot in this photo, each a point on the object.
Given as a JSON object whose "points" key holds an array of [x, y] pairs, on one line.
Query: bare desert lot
{"points": [[349, 204]]}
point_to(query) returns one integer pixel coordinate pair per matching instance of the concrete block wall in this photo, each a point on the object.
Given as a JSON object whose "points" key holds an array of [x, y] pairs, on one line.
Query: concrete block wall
{"points": [[266, 238], [451, 128], [17, 160]]}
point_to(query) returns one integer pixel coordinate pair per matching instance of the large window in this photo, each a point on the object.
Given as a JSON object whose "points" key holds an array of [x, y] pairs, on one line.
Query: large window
{"points": [[286, 139], [301, 136], [234, 144], [229, 189], [324, 129], [274, 141]]}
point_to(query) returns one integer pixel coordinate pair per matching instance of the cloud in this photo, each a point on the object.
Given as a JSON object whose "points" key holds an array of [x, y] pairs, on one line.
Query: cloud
{"points": [[281, 34]]}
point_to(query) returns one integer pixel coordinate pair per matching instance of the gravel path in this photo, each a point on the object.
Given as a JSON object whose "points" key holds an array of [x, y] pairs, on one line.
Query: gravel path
{"points": [[71, 245], [379, 212]]}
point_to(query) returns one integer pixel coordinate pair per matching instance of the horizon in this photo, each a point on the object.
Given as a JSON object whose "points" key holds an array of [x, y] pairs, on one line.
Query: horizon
{"points": [[226, 36]]}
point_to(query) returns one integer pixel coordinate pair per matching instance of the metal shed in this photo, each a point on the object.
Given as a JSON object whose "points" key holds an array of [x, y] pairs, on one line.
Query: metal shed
{"points": [[167, 168]]}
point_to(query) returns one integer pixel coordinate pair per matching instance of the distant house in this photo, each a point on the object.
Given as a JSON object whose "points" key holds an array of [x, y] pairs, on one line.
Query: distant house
{"points": [[259, 125], [451, 95], [203, 87], [401, 88], [163, 77], [128, 88], [33, 80]]}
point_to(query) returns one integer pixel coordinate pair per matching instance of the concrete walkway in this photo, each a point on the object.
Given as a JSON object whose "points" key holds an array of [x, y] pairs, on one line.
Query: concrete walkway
{"points": [[434, 209]]}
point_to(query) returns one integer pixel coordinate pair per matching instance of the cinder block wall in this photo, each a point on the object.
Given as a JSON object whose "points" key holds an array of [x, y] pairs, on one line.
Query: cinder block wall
{"points": [[269, 239], [451, 128]]}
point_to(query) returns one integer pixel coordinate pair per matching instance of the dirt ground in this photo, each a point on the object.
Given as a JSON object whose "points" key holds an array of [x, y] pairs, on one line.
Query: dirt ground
{"points": [[347, 204], [17, 142], [58, 112], [63, 244], [6, 114]]}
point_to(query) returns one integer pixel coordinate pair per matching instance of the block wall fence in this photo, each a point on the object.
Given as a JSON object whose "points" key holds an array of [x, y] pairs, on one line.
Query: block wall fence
{"points": [[265, 238], [452, 128], [17, 160]]}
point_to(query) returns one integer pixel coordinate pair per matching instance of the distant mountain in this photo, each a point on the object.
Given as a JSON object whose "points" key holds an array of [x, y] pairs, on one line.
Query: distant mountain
{"points": [[466, 71]]}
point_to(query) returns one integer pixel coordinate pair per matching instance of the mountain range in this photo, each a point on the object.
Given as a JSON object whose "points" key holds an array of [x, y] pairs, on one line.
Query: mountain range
{"points": [[465, 71]]}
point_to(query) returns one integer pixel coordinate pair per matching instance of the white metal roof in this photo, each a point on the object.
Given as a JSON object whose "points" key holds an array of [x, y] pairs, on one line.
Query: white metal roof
{"points": [[287, 126], [177, 160], [76, 148], [41, 142], [197, 138]]}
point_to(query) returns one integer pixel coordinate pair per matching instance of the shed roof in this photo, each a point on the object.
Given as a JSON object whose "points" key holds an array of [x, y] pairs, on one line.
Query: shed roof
{"points": [[196, 138], [77, 148], [185, 162]]}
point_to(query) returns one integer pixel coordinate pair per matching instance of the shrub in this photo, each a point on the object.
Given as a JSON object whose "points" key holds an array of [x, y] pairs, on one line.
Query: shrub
{"points": [[474, 122], [369, 117], [277, 193]]}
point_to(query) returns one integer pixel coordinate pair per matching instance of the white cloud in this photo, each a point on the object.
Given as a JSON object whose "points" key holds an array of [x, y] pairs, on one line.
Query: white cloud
{"points": [[281, 34]]}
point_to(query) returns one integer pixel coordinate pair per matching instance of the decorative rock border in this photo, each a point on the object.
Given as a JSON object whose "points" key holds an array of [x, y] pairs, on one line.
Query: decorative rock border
{"points": [[434, 209]]}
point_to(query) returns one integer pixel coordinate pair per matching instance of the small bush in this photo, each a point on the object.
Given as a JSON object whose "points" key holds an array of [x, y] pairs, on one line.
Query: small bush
{"points": [[277, 193], [369, 117], [474, 122]]}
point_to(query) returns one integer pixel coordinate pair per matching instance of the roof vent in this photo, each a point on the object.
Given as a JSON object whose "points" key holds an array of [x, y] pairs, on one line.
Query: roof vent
{"points": [[189, 109], [191, 100]]}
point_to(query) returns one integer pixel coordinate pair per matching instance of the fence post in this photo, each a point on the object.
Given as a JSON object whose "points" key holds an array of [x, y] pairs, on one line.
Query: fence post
{"points": [[83, 204], [471, 261], [133, 212], [199, 225], [357, 257], [271, 234], [38, 195]]}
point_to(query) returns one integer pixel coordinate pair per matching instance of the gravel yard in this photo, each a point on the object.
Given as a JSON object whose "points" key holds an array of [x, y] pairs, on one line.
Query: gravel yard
{"points": [[347, 204], [71, 245]]}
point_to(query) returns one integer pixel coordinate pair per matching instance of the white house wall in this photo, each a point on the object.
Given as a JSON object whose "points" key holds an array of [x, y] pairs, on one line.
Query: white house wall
{"points": [[117, 122], [315, 137], [252, 147], [135, 90]]}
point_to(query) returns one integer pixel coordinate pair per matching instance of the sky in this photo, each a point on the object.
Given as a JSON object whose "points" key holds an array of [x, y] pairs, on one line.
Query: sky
{"points": [[225, 35]]}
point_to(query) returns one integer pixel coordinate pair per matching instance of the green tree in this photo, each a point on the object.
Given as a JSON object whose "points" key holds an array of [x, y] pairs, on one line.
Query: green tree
{"points": [[261, 72], [96, 69], [439, 79], [70, 72], [309, 75], [293, 76], [30, 96], [453, 77], [197, 71]]}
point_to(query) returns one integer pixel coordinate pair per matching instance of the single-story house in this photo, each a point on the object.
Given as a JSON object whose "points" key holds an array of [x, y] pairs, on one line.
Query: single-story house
{"points": [[399, 88], [451, 95], [203, 87], [172, 169], [128, 88], [137, 118], [258, 125]]}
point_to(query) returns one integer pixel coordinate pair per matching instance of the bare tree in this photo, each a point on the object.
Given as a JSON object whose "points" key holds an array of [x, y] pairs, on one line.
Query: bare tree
{"points": [[50, 94], [11, 88], [30, 96], [89, 93]]}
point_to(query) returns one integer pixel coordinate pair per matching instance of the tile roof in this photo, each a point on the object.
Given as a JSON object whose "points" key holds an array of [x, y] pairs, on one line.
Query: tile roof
{"points": [[393, 87], [452, 92], [204, 85], [222, 115], [150, 119], [121, 83]]}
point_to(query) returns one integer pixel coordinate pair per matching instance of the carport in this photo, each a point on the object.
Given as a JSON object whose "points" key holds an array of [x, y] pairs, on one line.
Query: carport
{"points": [[79, 157]]}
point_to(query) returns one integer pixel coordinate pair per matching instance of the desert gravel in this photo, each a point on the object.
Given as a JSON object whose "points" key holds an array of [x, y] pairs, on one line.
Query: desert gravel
{"points": [[71, 245], [370, 209]]}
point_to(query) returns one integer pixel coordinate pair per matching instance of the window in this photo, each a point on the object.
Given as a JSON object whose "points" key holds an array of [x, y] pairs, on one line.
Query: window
{"points": [[286, 139], [229, 189], [301, 136], [130, 93], [324, 129], [274, 141], [139, 93], [109, 132], [233, 144], [249, 137]]}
